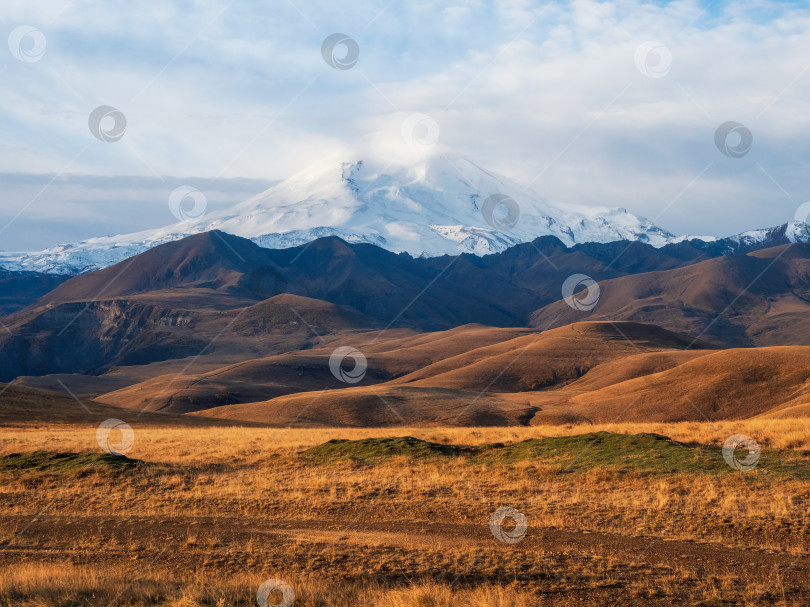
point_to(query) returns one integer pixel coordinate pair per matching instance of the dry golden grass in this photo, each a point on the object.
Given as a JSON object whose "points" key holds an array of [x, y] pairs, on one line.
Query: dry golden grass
{"points": [[173, 445], [82, 585], [215, 511]]}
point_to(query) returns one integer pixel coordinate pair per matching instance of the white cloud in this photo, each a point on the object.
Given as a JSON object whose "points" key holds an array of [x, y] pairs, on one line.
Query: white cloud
{"points": [[545, 93]]}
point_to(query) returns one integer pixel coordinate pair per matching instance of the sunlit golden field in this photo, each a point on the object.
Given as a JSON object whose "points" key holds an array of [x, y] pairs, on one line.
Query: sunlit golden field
{"points": [[178, 445], [210, 513]]}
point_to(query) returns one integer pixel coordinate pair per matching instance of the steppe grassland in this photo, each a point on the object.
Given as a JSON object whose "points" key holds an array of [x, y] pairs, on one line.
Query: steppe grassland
{"points": [[198, 445], [255, 475], [257, 470]]}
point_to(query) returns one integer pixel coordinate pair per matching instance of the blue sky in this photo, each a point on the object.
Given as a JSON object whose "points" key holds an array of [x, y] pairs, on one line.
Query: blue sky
{"points": [[232, 96]]}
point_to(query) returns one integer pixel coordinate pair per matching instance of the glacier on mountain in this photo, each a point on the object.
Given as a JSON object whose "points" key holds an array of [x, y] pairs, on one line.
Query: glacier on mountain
{"points": [[428, 208]]}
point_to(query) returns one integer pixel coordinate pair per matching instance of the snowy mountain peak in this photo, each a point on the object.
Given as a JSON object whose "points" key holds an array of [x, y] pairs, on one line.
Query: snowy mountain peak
{"points": [[440, 204]]}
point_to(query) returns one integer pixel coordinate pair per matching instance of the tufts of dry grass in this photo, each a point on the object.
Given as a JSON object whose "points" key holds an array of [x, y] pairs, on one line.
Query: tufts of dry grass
{"points": [[42, 585], [231, 445], [212, 512]]}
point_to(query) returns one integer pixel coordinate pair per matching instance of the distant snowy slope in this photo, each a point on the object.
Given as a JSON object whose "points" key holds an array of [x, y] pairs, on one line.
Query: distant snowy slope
{"points": [[436, 206]]}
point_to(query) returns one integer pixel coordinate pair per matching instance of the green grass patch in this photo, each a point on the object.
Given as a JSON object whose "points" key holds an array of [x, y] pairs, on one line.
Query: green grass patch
{"points": [[607, 449], [373, 449], [65, 463], [643, 452]]}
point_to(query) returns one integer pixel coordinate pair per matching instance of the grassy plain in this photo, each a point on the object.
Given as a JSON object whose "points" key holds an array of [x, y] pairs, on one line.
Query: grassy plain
{"points": [[205, 515]]}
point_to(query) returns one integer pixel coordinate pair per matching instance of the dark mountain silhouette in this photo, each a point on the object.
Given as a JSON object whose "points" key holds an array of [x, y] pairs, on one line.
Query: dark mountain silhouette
{"points": [[21, 289], [211, 261], [199, 295]]}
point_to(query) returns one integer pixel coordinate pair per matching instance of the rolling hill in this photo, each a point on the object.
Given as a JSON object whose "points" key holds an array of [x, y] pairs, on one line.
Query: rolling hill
{"points": [[630, 373], [758, 299], [23, 406], [188, 328]]}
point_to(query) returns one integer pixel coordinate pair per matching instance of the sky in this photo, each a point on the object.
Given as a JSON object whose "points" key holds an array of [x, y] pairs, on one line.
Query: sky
{"points": [[649, 106]]}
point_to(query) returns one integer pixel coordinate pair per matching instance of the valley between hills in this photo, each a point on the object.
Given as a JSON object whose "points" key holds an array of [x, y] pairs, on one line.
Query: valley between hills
{"points": [[215, 326]]}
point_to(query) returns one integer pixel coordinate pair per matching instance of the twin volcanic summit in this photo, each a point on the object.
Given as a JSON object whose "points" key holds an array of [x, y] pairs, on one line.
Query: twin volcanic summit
{"points": [[436, 206], [442, 204]]}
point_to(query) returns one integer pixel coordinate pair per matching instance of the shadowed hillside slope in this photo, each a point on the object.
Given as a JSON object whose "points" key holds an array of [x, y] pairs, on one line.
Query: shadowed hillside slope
{"points": [[597, 372], [388, 355], [91, 338], [23, 406], [760, 299]]}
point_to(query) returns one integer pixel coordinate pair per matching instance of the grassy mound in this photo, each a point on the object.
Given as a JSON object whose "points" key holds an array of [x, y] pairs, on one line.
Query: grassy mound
{"points": [[64, 463], [595, 449], [622, 452], [583, 451], [371, 449]]}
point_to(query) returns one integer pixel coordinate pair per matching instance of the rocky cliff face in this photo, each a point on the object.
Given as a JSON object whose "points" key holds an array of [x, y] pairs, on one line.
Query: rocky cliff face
{"points": [[90, 337]]}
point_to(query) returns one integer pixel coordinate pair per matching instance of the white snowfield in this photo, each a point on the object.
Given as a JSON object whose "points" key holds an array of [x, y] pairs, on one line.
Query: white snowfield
{"points": [[433, 207]]}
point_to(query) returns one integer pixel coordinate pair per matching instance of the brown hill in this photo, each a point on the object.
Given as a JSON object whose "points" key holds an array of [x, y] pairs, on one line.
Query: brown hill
{"points": [[540, 361], [597, 372], [495, 383], [20, 289], [383, 406], [24, 406], [588, 371], [211, 261], [729, 384], [199, 295], [91, 338], [762, 298], [389, 354]]}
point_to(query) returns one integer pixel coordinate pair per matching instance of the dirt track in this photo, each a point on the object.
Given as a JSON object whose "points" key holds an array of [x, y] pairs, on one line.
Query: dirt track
{"points": [[588, 565]]}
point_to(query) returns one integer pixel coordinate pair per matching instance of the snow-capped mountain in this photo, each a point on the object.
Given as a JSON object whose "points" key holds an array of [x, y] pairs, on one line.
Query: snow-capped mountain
{"points": [[794, 231], [443, 204]]}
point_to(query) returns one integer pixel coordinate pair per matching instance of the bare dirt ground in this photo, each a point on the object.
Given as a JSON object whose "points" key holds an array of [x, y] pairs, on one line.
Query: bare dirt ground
{"points": [[559, 566]]}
